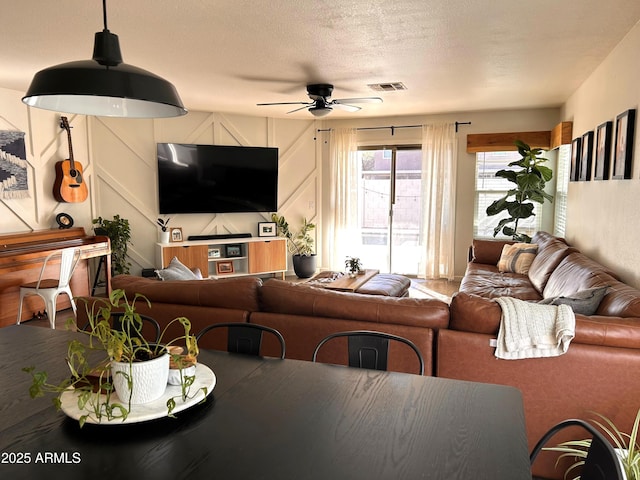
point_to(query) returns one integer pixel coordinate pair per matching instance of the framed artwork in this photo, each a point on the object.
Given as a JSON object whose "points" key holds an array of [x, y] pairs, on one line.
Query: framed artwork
{"points": [[224, 268], [214, 253], [234, 250], [586, 154], [575, 159], [267, 229], [603, 151], [176, 234], [625, 127]]}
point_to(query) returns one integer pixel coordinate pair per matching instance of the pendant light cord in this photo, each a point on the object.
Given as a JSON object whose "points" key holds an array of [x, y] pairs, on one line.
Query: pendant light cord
{"points": [[104, 13]]}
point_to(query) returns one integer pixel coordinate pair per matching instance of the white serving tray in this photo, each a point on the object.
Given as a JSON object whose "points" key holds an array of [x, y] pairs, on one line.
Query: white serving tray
{"points": [[148, 411]]}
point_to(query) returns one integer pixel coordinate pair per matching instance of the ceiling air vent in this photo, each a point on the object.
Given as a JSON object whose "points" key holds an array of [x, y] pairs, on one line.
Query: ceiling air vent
{"points": [[387, 87]]}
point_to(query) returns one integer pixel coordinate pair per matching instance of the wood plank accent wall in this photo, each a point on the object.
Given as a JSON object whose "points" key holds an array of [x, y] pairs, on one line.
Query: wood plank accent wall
{"points": [[504, 142]]}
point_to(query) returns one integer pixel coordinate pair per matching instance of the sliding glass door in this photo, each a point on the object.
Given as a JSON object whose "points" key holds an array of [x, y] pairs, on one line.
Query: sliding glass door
{"points": [[390, 208]]}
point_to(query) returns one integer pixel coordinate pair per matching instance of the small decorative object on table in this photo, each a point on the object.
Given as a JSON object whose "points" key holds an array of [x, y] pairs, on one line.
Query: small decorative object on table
{"points": [[164, 233], [234, 250], [353, 266], [214, 253], [224, 267]]}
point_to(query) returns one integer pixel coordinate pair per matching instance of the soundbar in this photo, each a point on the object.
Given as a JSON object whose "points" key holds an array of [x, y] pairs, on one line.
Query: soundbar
{"points": [[220, 236]]}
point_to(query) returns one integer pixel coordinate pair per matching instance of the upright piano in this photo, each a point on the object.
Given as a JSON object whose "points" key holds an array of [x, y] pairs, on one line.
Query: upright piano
{"points": [[22, 256]]}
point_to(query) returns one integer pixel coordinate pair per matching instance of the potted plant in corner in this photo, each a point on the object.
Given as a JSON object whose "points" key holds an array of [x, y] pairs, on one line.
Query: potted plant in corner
{"points": [[530, 180], [164, 229], [626, 446], [107, 368], [300, 245], [119, 233]]}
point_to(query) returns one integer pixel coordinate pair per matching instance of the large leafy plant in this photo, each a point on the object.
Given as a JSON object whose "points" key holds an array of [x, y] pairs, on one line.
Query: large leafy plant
{"points": [[119, 233], [530, 179], [300, 243]]}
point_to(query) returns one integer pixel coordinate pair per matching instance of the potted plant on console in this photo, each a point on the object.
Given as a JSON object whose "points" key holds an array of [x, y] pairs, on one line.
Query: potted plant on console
{"points": [[300, 245], [529, 181], [116, 367]]}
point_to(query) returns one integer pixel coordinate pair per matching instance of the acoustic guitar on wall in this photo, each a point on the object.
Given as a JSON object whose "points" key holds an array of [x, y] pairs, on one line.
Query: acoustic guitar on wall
{"points": [[69, 186]]}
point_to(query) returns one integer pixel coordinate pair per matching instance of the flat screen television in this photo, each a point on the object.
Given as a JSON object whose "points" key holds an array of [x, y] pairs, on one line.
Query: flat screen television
{"points": [[217, 178]]}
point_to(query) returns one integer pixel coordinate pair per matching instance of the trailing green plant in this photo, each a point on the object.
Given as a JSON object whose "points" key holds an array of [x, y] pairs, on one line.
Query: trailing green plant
{"points": [[530, 180], [89, 359], [300, 243], [119, 233], [626, 445]]}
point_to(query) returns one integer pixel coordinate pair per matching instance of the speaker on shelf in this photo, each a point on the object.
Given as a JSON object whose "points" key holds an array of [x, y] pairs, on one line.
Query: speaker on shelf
{"points": [[221, 236]]}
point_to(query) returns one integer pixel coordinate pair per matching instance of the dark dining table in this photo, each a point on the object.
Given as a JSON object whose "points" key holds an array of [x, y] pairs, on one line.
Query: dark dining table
{"points": [[266, 419]]}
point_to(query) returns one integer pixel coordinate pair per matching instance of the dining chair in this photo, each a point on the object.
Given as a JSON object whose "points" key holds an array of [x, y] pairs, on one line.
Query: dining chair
{"points": [[151, 326], [245, 337], [369, 349], [601, 462], [49, 288]]}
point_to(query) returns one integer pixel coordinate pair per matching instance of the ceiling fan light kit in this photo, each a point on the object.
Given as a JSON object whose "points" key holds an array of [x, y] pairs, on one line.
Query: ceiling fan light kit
{"points": [[104, 86], [321, 103]]}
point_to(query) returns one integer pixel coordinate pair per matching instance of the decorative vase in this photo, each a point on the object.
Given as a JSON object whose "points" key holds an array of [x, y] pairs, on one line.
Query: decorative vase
{"points": [[164, 236], [148, 379]]}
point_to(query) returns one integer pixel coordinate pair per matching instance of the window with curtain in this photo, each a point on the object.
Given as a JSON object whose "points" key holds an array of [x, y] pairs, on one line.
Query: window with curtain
{"points": [[490, 188]]}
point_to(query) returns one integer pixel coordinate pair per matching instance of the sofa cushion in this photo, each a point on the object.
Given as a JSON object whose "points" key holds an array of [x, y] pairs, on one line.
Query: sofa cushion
{"points": [[487, 251], [176, 270], [584, 302], [577, 272], [487, 281], [236, 293], [551, 251], [279, 296], [517, 258]]}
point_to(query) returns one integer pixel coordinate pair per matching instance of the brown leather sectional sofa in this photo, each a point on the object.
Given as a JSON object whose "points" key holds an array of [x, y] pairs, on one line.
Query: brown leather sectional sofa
{"points": [[599, 373]]}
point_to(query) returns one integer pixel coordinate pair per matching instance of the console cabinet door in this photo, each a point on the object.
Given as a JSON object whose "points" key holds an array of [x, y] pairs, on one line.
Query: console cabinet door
{"points": [[194, 256], [267, 256]]}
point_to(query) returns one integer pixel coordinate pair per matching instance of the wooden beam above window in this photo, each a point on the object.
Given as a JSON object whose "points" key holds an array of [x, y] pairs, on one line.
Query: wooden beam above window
{"points": [[561, 134], [505, 142]]}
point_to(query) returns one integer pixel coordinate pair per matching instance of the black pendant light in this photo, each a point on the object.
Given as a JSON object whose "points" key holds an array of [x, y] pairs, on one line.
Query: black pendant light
{"points": [[104, 86]]}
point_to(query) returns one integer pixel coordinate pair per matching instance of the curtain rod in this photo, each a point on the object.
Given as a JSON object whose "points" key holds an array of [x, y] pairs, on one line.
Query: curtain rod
{"points": [[392, 128]]}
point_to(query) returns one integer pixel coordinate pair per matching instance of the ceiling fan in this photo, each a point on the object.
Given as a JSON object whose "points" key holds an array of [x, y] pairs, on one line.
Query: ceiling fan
{"points": [[321, 103]]}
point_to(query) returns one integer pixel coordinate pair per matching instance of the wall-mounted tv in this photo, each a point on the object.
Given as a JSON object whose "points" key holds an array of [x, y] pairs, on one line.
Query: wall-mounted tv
{"points": [[217, 178]]}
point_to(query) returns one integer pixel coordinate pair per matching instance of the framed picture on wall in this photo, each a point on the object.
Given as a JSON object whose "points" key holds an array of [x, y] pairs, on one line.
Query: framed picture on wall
{"points": [[575, 159], [625, 128], [603, 151], [586, 154]]}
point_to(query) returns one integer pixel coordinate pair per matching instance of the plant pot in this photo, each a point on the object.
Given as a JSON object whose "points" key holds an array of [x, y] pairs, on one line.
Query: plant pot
{"points": [[304, 265], [163, 236], [149, 379]]}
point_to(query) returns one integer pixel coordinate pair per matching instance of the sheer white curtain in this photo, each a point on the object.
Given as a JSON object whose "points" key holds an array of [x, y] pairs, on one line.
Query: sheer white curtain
{"points": [[439, 155], [343, 218]]}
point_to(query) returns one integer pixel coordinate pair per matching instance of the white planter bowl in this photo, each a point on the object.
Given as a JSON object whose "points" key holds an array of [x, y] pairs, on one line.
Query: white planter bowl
{"points": [[174, 374], [149, 379]]}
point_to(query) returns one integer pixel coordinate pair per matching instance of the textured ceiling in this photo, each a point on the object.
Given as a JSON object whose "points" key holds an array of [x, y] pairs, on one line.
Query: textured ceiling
{"points": [[228, 55]]}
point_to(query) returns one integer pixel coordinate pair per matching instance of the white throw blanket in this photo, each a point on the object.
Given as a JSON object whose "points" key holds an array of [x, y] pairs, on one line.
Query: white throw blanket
{"points": [[532, 330]]}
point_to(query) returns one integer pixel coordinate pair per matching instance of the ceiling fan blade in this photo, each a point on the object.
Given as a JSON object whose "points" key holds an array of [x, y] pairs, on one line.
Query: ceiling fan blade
{"points": [[359, 100], [284, 103], [306, 105], [343, 106]]}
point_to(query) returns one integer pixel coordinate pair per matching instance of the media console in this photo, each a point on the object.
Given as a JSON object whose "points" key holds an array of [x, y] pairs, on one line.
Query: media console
{"points": [[227, 257]]}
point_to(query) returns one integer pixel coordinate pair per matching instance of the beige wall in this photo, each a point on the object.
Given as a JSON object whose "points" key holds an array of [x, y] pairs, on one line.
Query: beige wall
{"points": [[603, 216]]}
